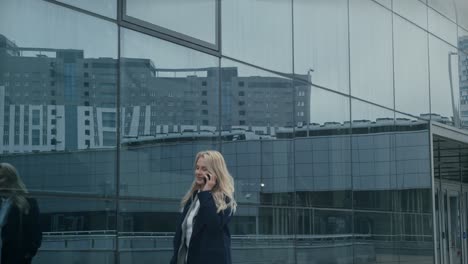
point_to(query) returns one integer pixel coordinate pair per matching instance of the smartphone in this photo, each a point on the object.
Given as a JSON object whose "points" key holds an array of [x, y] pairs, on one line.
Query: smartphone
{"points": [[207, 175]]}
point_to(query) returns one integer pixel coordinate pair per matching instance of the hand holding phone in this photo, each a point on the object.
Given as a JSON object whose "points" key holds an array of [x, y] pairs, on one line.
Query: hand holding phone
{"points": [[207, 175], [210, 182]]}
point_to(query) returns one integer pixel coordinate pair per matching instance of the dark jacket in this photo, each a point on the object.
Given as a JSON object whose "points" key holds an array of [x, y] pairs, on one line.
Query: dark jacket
{"points": [[21, 235], [210, 242]]}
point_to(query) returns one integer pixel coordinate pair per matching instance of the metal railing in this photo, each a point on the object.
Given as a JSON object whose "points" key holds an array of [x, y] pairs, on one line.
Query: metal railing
{"points": [[105, 240]]}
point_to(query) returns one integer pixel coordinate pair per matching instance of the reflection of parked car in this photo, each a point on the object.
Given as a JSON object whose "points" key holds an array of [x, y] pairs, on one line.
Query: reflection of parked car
{"points": [[232, 136]]}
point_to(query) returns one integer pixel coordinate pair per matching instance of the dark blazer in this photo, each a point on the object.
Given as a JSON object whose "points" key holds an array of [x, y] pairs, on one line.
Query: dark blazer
{"points": [[21, 235], [211, 240]]}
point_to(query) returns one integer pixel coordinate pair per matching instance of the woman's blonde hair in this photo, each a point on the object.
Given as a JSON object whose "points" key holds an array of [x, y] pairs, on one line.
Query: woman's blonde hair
{"points": [[223, 191], [12, 185]]}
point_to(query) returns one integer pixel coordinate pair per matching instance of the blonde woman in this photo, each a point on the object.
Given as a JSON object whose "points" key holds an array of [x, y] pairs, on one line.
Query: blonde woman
{"points": [[202, 233], [19, 219]]}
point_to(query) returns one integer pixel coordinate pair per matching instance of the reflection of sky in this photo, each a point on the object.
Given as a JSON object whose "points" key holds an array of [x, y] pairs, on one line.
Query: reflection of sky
{"points": [[320, 38], [163, 54], [161, 13], [320, 110], [441, 101], [321, 42], [259, 32], [31, 23], [103, 7], [446, 7], [371, 52], [411, 71], [415, 11], [442, 27], [364, 111]]}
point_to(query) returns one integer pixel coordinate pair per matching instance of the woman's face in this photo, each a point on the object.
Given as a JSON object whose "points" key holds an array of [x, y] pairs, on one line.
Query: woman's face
{"points": [[200, 171]]}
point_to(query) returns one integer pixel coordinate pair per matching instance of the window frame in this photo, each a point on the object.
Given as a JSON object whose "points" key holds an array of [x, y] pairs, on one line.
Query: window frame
{"points": [[174, 36]]}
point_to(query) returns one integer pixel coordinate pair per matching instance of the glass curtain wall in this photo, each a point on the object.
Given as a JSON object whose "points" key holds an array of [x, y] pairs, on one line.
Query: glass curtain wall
{"points": [[58, 102], [321, 109]]}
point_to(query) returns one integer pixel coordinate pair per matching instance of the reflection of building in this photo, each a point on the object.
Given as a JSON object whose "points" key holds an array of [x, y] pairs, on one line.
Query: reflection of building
{"points": [[57, 100], [51, 97], [104, 118], [382, 166], [160, 101], [463, 71]]}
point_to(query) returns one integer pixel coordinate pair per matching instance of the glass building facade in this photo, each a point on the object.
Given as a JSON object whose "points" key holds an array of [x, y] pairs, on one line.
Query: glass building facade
{"points": [[343, 122]]}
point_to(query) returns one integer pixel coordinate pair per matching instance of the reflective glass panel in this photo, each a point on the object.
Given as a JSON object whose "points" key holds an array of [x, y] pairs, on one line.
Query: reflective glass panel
{"points": [[374, 236], [254, 231], [247, 32], [369, 114], [444, 75], [258, 112], [413, 193], [262, 170], [318, 229], [463, 71], [323, 153], [328, 108], [371, 52], [320, 57], [64, 29], [462, 42], [91, 171], [146, 231], [446, 7], [442, 27], [196, 19], [106, 8], [374, 181], [462, 10], [386, 3], [58, 97], [413, 164], [373, 161], [414, 10], [78, 229], [169, 112], [411, 68]]}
